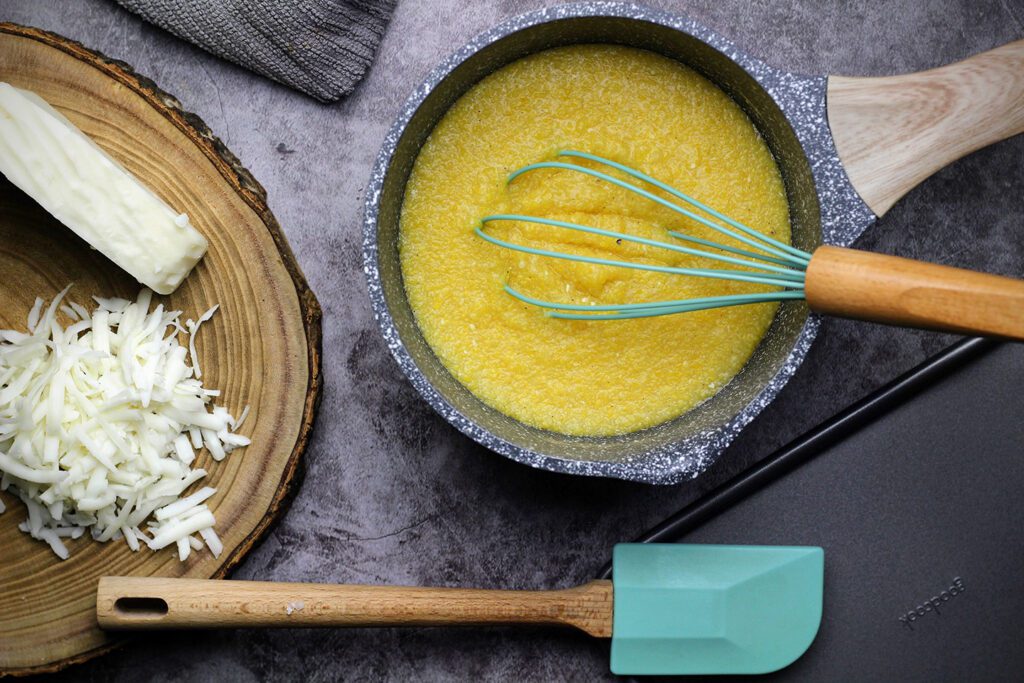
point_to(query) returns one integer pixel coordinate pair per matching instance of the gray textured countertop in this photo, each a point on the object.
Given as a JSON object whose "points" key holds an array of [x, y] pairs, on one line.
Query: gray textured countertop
{"points": [[392, 494]]}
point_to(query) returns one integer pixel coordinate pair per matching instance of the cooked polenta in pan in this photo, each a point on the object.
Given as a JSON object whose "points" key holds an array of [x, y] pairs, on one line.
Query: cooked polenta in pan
{"points": [[582, 377]]}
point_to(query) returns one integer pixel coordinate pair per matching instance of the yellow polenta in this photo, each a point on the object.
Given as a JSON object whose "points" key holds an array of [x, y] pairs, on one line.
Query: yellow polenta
{"points": [[584, 377]]}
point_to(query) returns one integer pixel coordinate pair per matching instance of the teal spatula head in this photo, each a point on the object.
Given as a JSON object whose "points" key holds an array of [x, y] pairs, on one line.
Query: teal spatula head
{"points": [[713, 609]]}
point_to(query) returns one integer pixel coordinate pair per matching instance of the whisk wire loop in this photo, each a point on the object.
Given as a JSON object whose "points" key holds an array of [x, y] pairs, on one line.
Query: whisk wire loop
{"points": [[735, 250], [710, 301], [660, 200], [757, 234], [720, 274], [787, 273]]}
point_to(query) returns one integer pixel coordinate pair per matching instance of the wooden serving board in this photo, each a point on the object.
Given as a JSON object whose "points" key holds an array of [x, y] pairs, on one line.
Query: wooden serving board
{"points": [[262, 349]]}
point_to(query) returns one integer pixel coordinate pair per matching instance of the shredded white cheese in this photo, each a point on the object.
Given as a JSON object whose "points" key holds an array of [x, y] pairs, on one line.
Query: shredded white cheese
{"points": [[100, 423]]}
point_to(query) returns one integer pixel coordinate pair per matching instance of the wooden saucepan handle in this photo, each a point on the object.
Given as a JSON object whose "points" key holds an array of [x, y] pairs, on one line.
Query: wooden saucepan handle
{"points": [[888, 289], [893, 132], [162, 603]]}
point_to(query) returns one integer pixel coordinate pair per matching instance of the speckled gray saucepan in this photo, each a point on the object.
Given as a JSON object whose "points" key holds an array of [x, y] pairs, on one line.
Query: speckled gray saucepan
{"points": [[825, 207]]}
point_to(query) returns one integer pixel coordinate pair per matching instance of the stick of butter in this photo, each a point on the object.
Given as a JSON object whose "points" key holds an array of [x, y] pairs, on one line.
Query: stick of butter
{"points": [[52, 161]]}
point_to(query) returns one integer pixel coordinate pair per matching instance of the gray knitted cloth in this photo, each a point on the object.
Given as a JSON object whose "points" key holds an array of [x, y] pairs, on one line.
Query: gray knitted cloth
{"points": [[321, 47]]}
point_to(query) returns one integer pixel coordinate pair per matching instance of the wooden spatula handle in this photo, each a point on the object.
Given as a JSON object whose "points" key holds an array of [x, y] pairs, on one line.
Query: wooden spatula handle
{"points": [[893, 132], [888, 289], [159, 603]]}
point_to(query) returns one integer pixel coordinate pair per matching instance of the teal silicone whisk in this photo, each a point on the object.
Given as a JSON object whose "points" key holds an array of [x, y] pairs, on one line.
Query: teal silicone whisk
{"points": [[834, 280]]}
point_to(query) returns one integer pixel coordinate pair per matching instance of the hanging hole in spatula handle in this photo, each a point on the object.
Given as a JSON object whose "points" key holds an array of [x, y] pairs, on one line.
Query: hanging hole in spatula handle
{"points": [[850, 283], [893, 132]]}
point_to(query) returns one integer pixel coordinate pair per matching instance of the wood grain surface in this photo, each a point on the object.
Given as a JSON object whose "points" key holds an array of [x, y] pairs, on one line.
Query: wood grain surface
{"points": [[262, 349], [154, 603], [851, 283], [893, 132]]}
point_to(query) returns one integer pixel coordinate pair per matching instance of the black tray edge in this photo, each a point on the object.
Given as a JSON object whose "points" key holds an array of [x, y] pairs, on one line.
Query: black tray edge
{"points": [[814, 442]]}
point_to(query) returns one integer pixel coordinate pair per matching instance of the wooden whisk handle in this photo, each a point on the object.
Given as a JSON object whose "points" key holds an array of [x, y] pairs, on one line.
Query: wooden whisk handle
{"points": [[888, 289], [161, 603]]}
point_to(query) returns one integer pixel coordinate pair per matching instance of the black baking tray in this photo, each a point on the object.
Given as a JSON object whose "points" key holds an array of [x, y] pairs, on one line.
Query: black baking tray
{"points": [[916, 493]]}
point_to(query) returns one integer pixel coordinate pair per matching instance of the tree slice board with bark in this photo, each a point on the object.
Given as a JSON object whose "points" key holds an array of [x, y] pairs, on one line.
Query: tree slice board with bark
{"points": [[261, 349]]}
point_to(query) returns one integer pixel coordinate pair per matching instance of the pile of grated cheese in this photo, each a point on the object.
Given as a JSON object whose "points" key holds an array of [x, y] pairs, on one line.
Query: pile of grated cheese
{"points": [[100, 423]]}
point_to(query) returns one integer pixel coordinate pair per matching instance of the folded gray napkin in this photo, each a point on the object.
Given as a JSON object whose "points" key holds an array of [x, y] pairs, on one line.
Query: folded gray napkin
{"points": [[321, 47]]}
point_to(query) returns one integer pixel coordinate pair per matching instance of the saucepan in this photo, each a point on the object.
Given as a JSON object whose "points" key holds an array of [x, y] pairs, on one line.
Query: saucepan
{"points": [[847, 148]]}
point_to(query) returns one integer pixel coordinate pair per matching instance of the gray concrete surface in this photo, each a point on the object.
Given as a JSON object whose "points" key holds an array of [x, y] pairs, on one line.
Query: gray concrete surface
{"points": [[394, 495]]}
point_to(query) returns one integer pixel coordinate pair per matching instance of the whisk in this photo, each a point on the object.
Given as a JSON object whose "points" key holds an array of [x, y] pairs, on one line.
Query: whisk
{"points": [[834, 280]]}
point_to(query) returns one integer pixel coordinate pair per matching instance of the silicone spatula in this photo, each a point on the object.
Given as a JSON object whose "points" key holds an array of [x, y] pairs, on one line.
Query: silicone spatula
{"points": [[670, 609]]}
